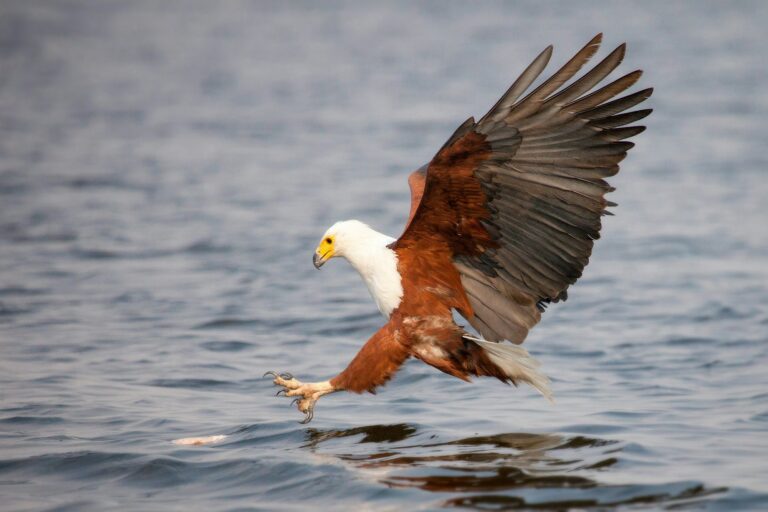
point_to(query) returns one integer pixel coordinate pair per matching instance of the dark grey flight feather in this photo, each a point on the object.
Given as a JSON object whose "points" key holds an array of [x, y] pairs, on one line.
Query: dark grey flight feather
{"points": [[545, 184]]}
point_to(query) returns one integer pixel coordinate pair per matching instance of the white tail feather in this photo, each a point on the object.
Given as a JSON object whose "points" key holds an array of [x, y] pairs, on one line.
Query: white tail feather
{"points": [[517, 363]]}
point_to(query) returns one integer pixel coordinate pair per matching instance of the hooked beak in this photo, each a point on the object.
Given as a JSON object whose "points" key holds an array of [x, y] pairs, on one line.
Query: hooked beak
{"points": [[318, 260]]}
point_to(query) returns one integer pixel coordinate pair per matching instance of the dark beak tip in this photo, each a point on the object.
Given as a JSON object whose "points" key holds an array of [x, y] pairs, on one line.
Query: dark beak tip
{"points": [[317, 261]]}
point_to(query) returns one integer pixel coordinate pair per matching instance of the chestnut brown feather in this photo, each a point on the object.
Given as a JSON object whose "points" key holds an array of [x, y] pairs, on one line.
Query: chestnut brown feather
{"points": [[376, 362]]}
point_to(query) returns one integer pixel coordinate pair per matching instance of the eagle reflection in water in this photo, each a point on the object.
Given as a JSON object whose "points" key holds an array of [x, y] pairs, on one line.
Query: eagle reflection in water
{"points": [[502, 471]]}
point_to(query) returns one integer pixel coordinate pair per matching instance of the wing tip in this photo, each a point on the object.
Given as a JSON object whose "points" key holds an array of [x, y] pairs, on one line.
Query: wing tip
{"points": [[621, 52], [592, 46], [545, 55]]}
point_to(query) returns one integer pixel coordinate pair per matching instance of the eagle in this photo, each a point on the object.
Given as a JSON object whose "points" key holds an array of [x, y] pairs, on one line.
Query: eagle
{"points": [[502, 222]]}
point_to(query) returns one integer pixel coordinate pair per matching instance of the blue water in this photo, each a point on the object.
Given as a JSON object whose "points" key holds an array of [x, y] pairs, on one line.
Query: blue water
{"points": [[166, 169]]}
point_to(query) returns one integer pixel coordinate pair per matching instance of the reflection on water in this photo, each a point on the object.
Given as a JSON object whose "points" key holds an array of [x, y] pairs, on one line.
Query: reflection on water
{"points": [[503, 471], [371, 434]]}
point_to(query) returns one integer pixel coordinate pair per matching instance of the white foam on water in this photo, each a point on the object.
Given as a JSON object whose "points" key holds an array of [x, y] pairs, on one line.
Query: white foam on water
{"points": [[199, 441]]}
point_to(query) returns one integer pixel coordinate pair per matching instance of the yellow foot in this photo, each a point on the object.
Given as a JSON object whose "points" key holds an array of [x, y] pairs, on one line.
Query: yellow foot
{"points": [[309, 393]]}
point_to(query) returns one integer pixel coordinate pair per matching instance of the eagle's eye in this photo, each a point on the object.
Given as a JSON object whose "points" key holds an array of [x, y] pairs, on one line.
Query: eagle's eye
{"points": [[328, 240]]}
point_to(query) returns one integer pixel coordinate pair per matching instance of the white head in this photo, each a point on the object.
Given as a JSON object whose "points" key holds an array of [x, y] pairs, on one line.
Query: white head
{"points": [[368, 252], [350, 239]]}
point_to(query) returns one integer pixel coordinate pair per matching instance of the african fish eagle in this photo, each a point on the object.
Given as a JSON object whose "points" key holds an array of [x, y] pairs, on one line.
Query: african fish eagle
{"points": [[502, 221]]}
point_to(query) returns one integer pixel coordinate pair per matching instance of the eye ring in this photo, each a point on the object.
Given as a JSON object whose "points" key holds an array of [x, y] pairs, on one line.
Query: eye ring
{"points": [[329, 240]]}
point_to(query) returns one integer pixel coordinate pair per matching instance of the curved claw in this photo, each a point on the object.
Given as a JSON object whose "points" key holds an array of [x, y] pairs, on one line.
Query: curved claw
{"points": [[286, 375], [281, 392], [308, 417], [270, 372], [295, 400]]}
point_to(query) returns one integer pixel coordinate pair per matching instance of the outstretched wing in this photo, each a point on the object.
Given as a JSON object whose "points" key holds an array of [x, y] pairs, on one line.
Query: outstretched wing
{"points": [[516, 198]]}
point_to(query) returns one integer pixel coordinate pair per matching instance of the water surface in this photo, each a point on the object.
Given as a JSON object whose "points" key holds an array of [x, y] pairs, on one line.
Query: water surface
{"points": [[167, 168]]}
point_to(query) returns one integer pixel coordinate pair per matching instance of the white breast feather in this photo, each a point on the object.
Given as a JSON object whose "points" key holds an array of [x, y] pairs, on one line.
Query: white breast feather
{"points": [[368, 252], [384, 281]]}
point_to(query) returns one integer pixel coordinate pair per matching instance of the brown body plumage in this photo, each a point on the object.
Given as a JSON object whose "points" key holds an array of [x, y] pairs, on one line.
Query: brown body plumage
{"points": [[502, 222]]}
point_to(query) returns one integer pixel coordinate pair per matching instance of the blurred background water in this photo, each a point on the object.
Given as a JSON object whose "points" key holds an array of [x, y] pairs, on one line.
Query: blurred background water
{"points": [[166, 169]]}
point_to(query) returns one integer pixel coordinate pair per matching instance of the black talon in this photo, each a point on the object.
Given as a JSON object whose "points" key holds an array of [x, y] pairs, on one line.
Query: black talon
{"points": [[294, 401], [308, 417], [270, 372], [281, 392], [286, 375]]}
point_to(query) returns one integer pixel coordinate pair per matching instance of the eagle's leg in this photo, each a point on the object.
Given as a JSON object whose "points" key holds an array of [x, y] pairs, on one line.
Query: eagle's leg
{"points": [[374, 365], [307, 394]]}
